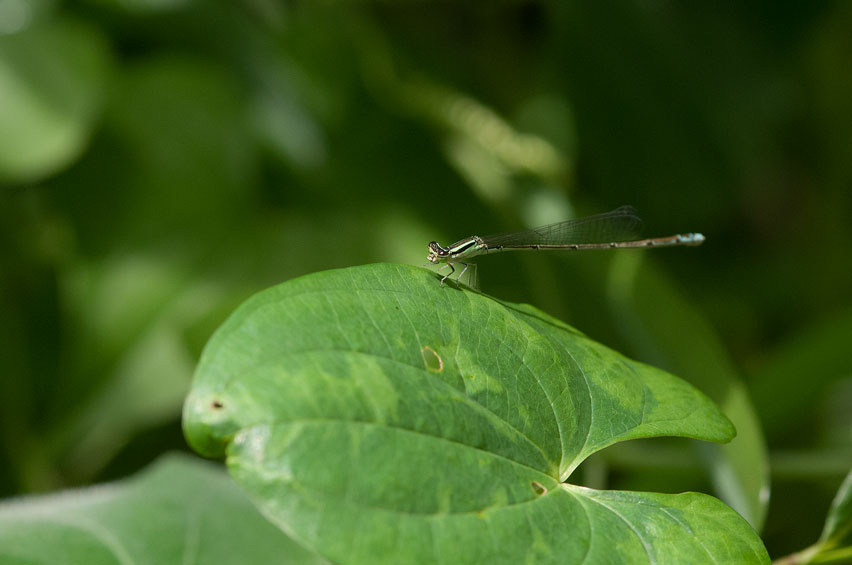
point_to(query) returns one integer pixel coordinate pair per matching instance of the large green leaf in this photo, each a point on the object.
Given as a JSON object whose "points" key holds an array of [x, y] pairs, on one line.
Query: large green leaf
{"points": [[179, 511], [379, 417]]}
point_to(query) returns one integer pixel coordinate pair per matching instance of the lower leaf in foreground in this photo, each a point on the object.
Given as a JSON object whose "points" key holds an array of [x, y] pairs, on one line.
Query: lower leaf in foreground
{"points": [[180, 510], [378, 417]]}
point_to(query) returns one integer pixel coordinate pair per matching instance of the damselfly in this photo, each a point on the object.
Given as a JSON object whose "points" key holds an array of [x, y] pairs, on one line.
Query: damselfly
{"points": [[611, 230]]}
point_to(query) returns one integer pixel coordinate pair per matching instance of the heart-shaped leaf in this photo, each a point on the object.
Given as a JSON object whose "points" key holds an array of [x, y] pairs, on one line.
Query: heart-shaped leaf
{"points": [[379, 417]]}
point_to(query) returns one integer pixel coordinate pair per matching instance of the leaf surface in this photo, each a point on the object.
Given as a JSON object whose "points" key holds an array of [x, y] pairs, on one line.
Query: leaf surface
{"points": [[377, 416], [178, 511]]}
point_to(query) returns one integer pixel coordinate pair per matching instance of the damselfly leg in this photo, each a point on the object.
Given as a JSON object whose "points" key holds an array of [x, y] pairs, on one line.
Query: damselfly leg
{"points": [[445, 277]]}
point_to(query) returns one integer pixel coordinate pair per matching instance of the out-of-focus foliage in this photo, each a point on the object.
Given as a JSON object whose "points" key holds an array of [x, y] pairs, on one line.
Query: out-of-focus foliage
{"points": [[161, 161]]}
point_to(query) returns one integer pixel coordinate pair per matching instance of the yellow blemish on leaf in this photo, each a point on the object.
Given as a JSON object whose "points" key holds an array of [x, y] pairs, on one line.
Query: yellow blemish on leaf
{"points": [[432, 360]]}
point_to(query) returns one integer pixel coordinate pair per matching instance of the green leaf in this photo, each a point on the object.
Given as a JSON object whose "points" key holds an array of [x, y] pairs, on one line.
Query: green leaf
{"points": [[379, 417], [835, 544], [838, 526], [179, 511]]}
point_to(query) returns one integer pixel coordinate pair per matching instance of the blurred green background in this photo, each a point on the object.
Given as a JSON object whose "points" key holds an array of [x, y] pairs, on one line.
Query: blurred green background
{"points": [[162, 160]]}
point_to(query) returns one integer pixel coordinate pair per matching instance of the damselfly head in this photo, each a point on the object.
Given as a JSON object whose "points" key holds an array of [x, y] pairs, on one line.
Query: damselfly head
{"points": [[436, 252]]}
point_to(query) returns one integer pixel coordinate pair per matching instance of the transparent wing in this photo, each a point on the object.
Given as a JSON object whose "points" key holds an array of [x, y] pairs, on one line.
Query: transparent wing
{"points": [[621, 224]]}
